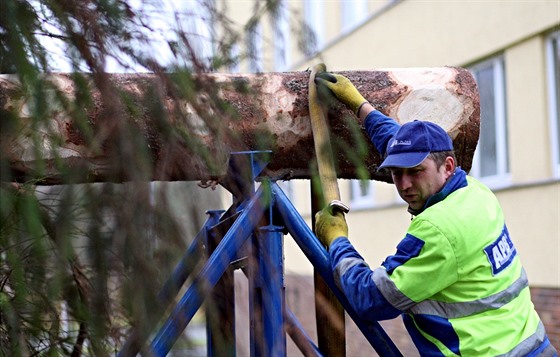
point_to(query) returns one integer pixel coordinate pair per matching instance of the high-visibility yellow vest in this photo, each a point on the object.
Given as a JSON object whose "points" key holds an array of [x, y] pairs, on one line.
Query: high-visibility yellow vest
{"points": [[462, 286], [456, 279]]}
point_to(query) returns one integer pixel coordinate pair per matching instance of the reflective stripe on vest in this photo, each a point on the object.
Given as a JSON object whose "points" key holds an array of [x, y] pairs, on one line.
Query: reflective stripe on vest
{"points": [[535, 345], [342, 268], [449, 310]]}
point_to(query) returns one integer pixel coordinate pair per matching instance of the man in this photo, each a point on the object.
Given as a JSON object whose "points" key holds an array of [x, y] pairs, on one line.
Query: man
{"points": [[456, 277]]}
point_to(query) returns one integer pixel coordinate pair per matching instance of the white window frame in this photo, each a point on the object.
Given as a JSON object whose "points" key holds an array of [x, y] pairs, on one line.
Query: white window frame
{"points": [[354, 13], [359, 200], [314, 17], [282, 41], [502, 178], [553, 71]]}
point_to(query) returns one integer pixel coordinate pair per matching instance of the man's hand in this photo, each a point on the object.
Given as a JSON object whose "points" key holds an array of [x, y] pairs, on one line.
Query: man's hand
{"points": [[330, 225], [342, 89]]}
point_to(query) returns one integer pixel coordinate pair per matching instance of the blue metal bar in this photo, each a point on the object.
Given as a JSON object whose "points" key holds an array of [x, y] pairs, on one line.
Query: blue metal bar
{"points": [[293, 327], [257, 158], [191, 257], [220, 303], [244, 167], [256, 332], [319, 258], [272, 276], [208, 276], [172, 286], [299, 336]]}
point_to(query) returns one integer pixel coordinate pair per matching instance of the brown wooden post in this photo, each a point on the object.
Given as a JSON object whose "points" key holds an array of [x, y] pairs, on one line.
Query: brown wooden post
{"points": [[331, 331]]}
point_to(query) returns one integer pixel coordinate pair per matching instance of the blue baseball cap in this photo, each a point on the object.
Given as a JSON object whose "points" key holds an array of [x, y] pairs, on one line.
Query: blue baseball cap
{"points": [[413, 142]]}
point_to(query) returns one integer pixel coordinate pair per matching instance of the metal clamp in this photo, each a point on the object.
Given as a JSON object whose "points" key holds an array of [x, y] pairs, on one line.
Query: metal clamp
{"points": [[338, 205]]}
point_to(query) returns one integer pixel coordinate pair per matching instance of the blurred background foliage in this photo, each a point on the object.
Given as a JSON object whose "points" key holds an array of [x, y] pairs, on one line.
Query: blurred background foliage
{"points": [[80, 263]]}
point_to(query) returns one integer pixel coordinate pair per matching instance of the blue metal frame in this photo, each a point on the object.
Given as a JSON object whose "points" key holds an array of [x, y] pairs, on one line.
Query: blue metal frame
{"points": [[319, 258], [271, 262], [171, 287], [254, 232]]}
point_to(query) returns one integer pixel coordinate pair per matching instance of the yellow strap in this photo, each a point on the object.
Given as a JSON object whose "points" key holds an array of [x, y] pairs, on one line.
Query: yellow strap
{"points": [[322, 140]]}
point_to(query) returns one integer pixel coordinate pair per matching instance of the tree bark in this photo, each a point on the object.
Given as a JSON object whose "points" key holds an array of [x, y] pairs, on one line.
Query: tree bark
{"points": [[257, 112]]}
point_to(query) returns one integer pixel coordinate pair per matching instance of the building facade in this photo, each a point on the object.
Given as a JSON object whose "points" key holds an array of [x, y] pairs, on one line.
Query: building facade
{"points": [[512, 49]]}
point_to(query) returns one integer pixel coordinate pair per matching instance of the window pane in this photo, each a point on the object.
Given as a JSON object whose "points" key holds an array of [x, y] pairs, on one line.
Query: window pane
{"points": [[487, 142], [314, 29], [282, 37], [254, 48], [362, 194], [364, 188], [353, 13], [556, 74]]}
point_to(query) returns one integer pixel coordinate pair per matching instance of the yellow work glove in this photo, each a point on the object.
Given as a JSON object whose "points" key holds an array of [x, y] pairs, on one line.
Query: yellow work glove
{"points": [[330, 225], [342, 89]]}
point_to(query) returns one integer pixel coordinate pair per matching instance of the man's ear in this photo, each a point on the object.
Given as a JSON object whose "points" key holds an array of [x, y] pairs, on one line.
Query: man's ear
{"points": [[449, 166]]}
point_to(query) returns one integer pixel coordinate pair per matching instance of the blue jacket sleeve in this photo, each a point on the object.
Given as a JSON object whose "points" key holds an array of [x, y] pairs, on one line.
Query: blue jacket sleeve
{"points": [[354, 277], [380, 129]]}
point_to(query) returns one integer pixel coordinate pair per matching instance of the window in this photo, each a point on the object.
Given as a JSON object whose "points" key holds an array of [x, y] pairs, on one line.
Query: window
{"points": [[553, 72], [490, 163], [288, 188], [197, 23], [281, 38], [314, 19], [255, 48], [234, 56], [362, 194], [354, 12]]}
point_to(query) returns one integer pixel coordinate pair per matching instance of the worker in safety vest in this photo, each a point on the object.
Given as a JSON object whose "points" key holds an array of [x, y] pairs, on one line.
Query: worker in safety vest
{"points": [[456, 277]]}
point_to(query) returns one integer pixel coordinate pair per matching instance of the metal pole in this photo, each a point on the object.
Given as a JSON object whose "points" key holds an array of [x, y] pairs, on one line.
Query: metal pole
{"points": [[256, 328], [299, 336], [139, 334], [272, 277], [220, 304], [217, 264], [318, 256]]}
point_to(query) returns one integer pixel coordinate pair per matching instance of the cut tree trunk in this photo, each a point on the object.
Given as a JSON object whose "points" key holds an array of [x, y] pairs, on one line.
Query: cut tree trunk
{"points": [[258, 112]]}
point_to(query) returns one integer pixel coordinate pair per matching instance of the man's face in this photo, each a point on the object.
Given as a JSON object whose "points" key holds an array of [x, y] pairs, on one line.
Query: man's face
{"points": [[415, 185]]}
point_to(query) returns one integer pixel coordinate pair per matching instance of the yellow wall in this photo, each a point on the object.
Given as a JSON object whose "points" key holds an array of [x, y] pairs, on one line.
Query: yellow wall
{"points": [[533, 214], [419, 33], [415, 33], [530, 150]]}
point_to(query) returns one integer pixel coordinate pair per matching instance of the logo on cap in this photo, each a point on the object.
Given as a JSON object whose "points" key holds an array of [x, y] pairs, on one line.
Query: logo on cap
{"points": [[413, 142], [401, 142]]}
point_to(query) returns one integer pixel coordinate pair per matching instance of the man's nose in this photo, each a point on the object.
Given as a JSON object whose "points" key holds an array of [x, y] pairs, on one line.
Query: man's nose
{"points": [[405, 182]]}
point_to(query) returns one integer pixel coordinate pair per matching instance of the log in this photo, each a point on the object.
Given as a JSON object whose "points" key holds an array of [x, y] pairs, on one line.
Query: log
{"points": [[263, 112]]}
